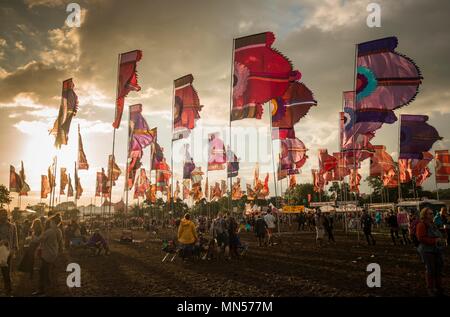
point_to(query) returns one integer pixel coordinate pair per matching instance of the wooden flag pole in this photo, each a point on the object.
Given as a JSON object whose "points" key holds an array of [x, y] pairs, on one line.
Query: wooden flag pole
{"points": [[230, 179]]}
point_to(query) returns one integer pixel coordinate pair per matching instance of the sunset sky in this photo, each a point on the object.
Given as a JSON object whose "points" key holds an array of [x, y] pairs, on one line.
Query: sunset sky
{"points": [[38, 51]]}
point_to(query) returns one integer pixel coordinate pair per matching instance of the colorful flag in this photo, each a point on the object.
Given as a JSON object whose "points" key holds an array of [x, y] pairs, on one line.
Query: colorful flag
{"points": [[232, 164], [186, 108], [15, 183], [292, 181], [288, 109], [197, 193], [78, 188], [260, 74], [216, 154], [82, 160], [64, 180], [442, 158], [355, 181], [163, 175], [250, 193], [186, 189], [416, 136], [176, 193], [381, 162], [207, 192], [216, 192], [415, 169], [236, 192], [67, 110], [327, 162], [341, 170], [143, 183], [223, 187], [45, 187], [113, 170], [318, 181], [196, 175], [70, 188], [99, 184], [25, 188], [126, 82], [292, 155], [188, 165]]}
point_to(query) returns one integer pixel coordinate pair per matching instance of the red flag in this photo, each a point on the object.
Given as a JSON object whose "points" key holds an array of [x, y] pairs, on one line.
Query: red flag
{"points": [[15, 183], [260, 74], [381, 162], [45, 186], [442, 163], [82, 160], [64, 180], [126, 82], [355, 181]]}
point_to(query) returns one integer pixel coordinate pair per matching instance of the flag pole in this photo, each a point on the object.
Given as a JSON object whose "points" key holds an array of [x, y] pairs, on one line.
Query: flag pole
{"points": [[435, 176], [76, 185], [273, 168], [114, 140], [171, 152], [399, 196], [126, 167], [54, 184], [355, 74], [230, 179]]}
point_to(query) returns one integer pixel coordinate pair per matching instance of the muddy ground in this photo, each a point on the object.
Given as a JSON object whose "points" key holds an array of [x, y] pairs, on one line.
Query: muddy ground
{"points": [[295, 267]]}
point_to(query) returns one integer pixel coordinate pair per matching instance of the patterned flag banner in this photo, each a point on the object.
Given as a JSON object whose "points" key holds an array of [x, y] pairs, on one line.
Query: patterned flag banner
{"points": [[115, 172], [415, 169], [45, 186], [292, 181], [25, 188], [15, 183], [416, 136], [260, 74], [442, 158], [64, 180], [82, 160], [157, 154], [292, 155], [232, 164], [70, 188], [288, 109], [341, 170], [67, 110], [196, 175], [143, 183], [216, 192], [78, 188], [216, 154], [250, 193], [381, 162], [186, 189], [186, 108], [99, 184], [318, 181], [126, 82], [188, 165], [236, 192], [355, 181]]}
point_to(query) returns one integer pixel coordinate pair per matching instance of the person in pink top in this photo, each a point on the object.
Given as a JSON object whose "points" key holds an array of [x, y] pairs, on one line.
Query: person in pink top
{"points": [[403, 223]]}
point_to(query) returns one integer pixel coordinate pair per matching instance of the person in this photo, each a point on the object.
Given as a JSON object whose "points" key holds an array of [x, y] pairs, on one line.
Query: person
{"points": [[378, 218], [367, 222], [270, 221], [430, 248], [10, 243], [261, 230], [51, 245], [233, 237], [320, 230], [219, 231], [413, 221], [441, 220], [27, 263], [187, 235], [97, 241], [402, 220], [393, 226], [328, 226], [301, 221]]}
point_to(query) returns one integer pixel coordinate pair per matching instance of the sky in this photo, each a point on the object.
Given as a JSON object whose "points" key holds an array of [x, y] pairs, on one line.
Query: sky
{"points": [[38, 51]]}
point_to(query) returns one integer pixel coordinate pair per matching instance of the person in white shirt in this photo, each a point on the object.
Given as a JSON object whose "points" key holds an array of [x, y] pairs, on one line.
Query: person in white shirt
{"points": [[270, 221]]}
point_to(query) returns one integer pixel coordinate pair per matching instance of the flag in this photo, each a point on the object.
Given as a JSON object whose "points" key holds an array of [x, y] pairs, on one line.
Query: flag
{"points": [[186, 108], [416, 136], [236, 192], [150, 194], [355, 181], [163, 175], [67, 110], [113, 170], [292, 181], [327, 162], [64, 180], [186, 189], [70, 188], [386, 79], [197, 193], [265, 190], [442, 158], [223, 187], [260, 74], [78, 188], [157, 156], [143, 183], [216, 153], [196, 175], [318, 181], [99, 184], [232, 164], [15, 183], [51, 177], [82, 161], [288, 109], [176, 193], [25, 188], [126, 82], [216, 192], [341, 170], [381, 162], [207, 192], [250, 193], [415, 169], [140, 136], [292, 155], [45, 186], [188, 165], [390, 179]]}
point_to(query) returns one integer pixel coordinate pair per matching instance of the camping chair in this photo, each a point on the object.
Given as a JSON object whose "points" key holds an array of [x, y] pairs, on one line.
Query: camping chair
{"points": [[169, 247]]}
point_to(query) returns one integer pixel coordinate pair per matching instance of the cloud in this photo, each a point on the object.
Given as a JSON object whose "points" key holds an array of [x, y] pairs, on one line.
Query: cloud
{"points": [[45, 3], [19, 46], [64, 49]]}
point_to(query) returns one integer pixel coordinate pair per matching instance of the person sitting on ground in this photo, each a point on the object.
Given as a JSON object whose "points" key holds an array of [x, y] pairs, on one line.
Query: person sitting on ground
{"points": [[187, 235], [98, 242]]}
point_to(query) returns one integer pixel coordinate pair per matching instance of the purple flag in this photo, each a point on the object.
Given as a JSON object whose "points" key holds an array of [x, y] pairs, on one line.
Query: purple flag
{"points": [[416, 136]]}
